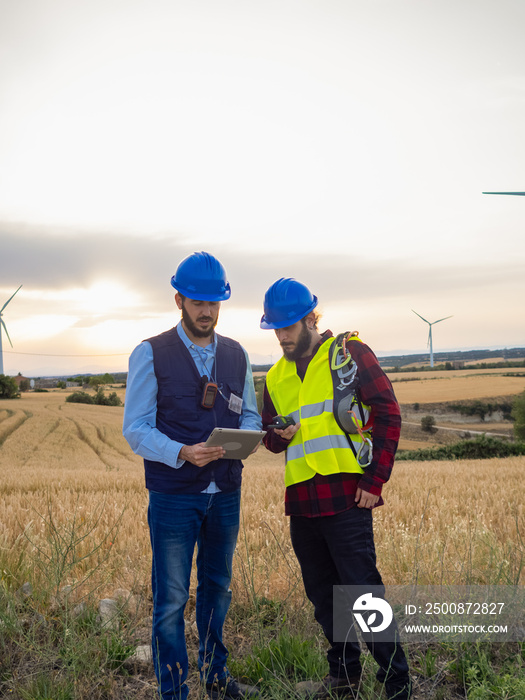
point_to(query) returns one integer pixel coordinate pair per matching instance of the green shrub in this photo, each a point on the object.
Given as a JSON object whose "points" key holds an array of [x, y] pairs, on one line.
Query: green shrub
{"points": [[102, 400], [482, 447], [79, 397]]}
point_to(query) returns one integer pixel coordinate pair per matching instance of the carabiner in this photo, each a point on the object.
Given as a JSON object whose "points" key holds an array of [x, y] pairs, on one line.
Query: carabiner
{"points": [[366, 443]]}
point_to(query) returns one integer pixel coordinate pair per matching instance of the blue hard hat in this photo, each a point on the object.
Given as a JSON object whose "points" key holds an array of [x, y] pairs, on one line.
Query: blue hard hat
{"points": [[201, 276], [286, 302]]}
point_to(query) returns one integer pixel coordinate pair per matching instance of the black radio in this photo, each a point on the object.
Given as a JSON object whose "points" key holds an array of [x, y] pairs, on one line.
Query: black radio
{"points": [[281, 422]]}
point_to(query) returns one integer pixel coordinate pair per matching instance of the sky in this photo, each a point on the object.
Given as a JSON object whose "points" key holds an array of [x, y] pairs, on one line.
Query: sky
{"points": [[343, 143]]}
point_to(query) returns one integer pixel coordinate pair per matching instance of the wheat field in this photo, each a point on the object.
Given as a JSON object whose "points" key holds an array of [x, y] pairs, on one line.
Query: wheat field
{"points": [[456, 385], [69, 464]]}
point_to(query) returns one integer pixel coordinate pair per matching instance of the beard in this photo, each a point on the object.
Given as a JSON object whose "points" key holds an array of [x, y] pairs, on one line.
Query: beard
{"points": [[294, 352], [195, 330]]}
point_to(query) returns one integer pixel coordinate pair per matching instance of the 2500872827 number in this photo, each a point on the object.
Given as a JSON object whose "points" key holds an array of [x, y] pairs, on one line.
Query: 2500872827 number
{"points": [[464, 608]]}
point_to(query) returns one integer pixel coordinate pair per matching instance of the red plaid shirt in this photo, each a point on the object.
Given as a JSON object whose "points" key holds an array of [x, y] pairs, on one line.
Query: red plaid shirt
{"points": [[328, 495]]}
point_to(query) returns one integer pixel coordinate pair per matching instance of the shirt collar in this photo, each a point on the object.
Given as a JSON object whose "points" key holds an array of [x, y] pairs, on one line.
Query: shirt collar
{"points": [[191, 345]]}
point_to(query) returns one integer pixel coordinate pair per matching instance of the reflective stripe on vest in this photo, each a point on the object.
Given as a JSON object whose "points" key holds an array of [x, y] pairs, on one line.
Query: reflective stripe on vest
{"points": [[319, 446]]}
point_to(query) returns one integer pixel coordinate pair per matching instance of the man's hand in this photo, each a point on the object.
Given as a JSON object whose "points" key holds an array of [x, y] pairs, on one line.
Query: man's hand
{"points": [[364, 499], [199, 455], [288, 432]]}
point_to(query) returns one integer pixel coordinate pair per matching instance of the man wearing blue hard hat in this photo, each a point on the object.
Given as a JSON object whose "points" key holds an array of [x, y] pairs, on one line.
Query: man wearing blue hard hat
{"points": [[181, 385], [330, 407]]}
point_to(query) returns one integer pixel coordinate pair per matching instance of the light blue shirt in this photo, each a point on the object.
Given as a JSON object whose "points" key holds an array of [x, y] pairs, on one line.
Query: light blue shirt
{"points": [[140, 409]]}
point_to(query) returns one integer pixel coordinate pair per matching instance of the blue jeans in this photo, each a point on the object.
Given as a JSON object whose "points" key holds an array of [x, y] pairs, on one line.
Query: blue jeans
{"points": [[339, 550], [177, 522]]}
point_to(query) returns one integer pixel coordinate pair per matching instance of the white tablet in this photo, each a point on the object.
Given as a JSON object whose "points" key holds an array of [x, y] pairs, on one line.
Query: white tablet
{"points": [[237, 443]]}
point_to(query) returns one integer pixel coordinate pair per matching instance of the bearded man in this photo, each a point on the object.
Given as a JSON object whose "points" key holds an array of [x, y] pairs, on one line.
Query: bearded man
{"points": [[339, 454], [181, 385]]}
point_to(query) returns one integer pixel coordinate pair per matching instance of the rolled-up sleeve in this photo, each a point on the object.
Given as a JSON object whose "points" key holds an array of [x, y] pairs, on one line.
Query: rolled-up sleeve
{"points": [[140, 411]]}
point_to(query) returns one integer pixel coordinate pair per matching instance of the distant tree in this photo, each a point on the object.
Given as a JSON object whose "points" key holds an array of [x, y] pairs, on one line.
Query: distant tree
{"points": [[518, 413], [480, 409], [101, 380], [76, 380], [95, 382], [428, 424], [8, 388], [61, 384], [24, 385]]}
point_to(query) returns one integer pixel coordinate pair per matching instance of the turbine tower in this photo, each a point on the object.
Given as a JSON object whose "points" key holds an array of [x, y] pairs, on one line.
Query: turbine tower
{"points": [[3, 326], [430, 333]]}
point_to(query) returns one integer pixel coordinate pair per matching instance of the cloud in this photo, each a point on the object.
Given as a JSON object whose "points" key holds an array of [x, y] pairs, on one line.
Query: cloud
{"points": [[64, 268]]}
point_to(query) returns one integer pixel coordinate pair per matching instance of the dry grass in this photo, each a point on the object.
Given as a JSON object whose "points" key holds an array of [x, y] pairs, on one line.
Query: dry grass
{"points": [[442, 522], [75, 457], [454, 521], [435, 387]]}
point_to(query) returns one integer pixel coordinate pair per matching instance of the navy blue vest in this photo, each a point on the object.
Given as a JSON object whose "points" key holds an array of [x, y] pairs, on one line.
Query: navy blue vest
{"points": [[181, 417]]}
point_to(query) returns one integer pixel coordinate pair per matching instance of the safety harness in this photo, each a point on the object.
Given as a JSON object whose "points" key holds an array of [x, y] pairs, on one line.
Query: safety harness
{"points": [[350, 414]]}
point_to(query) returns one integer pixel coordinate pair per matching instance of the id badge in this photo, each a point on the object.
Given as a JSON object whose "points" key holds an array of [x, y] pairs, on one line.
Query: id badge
{"points": [[235, 404]]}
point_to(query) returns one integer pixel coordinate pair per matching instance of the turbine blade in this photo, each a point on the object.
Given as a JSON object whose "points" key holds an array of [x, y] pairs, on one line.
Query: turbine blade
{"points": [[429, 335], [520, 194], [5, 329], [7, 302], [421, 317], [442, 319]]}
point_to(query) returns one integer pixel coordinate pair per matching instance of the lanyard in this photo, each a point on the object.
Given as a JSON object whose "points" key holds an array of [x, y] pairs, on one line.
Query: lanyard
{"points": [[212, 375], [203, 357]]}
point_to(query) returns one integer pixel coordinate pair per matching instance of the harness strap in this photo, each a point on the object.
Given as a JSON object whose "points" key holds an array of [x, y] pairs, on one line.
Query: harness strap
{"points": [[345, 381]]}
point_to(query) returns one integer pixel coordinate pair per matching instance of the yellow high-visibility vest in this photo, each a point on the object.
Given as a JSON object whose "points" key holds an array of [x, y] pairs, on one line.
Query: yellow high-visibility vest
{"points": [[319, 446]]}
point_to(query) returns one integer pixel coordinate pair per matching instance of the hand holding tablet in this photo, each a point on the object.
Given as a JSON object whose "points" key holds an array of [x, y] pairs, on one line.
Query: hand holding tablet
{"points": [[238, 444]]}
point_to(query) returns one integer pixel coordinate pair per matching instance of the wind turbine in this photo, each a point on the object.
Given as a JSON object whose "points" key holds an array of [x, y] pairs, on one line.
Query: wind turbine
{"points": [[3, 326], [520, 194], [430, 333]]}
